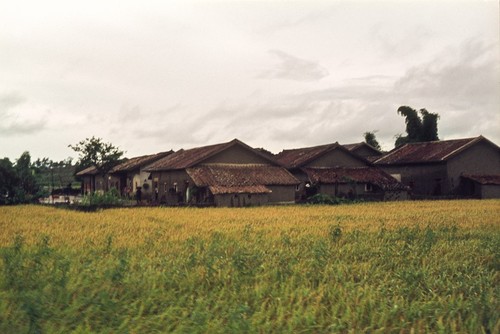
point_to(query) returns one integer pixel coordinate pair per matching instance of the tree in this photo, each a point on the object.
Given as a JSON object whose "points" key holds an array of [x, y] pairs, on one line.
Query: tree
{"points": [[28, 188], [8, 181], [418, 129], [95, 152], [17, 181], [371, 140]]}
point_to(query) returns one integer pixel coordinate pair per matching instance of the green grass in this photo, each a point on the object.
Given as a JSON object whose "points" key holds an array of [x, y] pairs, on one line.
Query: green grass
{"points": [[439, 279]]}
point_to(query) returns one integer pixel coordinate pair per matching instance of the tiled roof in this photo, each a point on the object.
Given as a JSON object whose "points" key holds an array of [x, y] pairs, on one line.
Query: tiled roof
{"points": [[218, 190], [426, 152], [233, 175], [188, 158], [138, 162], [92, 170], [301, 156], [484, 179], [371, 175]]}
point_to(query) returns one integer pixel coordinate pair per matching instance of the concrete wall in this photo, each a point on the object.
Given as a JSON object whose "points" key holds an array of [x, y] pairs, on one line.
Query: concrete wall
{"points": [[241, 200], [172, 186], [428, 180], [489, 190], [282, 194], [337, 158]]}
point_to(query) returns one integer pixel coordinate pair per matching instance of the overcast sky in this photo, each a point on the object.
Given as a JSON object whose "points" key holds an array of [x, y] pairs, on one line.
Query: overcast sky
{"points": [[151, 76]]}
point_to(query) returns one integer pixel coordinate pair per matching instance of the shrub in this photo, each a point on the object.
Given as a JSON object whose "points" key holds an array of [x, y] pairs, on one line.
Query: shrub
{"points": [[109, 198]]}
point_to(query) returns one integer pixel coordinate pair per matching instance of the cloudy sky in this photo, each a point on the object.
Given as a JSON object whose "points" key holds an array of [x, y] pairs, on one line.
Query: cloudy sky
{"points": [[151, 76]]}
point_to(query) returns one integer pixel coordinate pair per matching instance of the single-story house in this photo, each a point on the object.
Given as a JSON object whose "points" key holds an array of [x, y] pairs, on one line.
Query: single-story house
{"points": [[334, 170], [129, 176], [93, 180], [227, 174], [433, 169]]}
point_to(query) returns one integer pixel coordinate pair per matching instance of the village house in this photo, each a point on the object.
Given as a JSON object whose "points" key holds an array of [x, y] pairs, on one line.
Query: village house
{"points": [[364, 150], [227, 174], [93, 180], [334, 170], [126, 176], [129, 177], [462, 167]]}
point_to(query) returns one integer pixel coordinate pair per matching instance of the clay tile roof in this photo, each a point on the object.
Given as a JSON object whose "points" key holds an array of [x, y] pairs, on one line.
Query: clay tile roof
{"points": [[218, 190], [426, 152], [233, 175], [92, 170], [188, 158], [138, 162], [484, 179], [371, 175], [301, 156]]}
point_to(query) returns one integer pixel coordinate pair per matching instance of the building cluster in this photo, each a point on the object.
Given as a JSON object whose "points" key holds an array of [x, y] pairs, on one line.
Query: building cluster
{"points": [[234, 174]]}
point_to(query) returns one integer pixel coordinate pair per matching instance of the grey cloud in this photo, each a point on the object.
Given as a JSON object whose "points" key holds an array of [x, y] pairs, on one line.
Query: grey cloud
{"points": [[294, 68], [11, 124], [10, 100], [403, 42], [467, 76]]}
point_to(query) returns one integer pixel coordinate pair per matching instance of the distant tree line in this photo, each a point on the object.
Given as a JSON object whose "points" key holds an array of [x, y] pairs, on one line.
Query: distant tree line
{"points": [[24, 181]]}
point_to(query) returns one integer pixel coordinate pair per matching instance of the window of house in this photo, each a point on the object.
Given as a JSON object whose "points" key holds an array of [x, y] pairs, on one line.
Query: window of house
{"points": [[297, 187], [368, 187]]}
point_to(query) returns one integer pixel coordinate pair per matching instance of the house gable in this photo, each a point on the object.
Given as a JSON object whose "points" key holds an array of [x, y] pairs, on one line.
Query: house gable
{"points": [[363, 150], [330, 155], [336, 158], [237, 154], [481, 159]]}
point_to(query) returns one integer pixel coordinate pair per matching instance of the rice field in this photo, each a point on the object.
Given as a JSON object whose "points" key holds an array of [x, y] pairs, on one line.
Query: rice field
{"points": [[396, 267]]}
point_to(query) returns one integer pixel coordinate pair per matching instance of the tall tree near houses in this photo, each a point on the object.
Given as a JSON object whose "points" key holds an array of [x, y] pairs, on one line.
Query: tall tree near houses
{"points": [[371, 139], [418, 129], [95, 152]]}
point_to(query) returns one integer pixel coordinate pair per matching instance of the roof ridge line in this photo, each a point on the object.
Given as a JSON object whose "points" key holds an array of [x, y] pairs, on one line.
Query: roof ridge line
{"points": [[470, 142]]}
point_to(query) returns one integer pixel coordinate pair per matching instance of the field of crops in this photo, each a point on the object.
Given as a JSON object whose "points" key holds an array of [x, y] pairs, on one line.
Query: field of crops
{"points": [[379, 268]]}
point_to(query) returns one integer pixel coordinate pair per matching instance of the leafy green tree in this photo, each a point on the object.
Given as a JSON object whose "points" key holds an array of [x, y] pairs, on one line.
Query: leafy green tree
{"points": [[429, 126], [418, 129], [8, 181], [94, 152], [52, 175], [27, 188], [17, 181], [371, 139]]}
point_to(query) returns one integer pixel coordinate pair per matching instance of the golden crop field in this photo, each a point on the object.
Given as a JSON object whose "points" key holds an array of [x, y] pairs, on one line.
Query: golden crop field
{"points": [[397, 267]]}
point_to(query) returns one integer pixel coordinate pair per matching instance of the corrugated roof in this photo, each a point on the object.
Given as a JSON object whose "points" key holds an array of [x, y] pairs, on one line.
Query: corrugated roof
{"points": [[232, 175], [138, 162], [371, 175], [428, 152], [484, 179], [188, 158], [301, 156]]}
